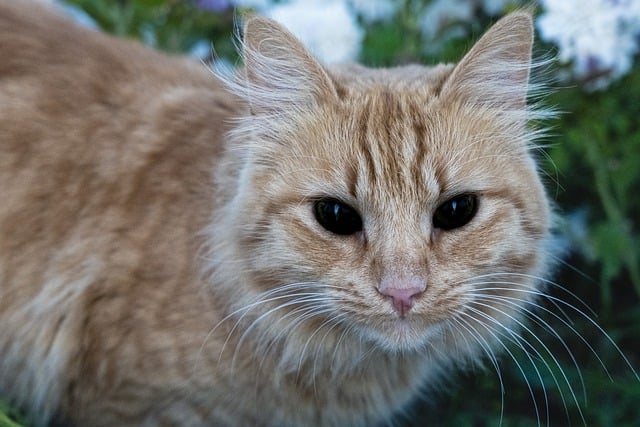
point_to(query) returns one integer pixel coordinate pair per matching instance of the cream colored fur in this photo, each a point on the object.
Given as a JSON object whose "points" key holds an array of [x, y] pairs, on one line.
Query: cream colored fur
{"points": [[160, 261]]}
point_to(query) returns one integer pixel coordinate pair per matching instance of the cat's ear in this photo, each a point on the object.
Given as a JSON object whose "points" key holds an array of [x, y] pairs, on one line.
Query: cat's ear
{"points": [[495, 72], [281, 74]]}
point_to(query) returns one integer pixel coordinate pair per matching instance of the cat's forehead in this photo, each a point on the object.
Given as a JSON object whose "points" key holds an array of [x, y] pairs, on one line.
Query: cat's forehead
{"points": [[391, 136], [355, 78], [398, 147]]}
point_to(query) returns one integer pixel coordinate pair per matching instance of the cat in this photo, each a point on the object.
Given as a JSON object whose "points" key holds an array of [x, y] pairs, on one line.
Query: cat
{"points": [[296, 245]]}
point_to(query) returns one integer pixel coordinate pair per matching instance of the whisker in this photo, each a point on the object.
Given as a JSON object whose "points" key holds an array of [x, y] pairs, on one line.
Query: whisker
{"points": [[541, 343], [515, 360], [254, 323], [311, 336], [247, 308], [336, 320], [543, 280], [560, 318], [538, 278], [472, 332], [523, 344], [304, 311], [269, 296], [345, 332], [581, 313], [572, 268], [521, 305]]}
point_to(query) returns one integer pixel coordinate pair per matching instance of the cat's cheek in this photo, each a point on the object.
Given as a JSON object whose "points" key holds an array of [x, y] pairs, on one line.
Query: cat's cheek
{"points": [[321, 247], [493, 240]]}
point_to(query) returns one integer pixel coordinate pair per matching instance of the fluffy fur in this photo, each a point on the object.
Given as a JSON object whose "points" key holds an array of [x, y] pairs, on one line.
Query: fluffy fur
{"points": [[135, 289]]}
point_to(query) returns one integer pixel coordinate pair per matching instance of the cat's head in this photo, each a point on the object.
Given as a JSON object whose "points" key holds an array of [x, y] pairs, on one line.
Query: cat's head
{"points": [[401, 205]]}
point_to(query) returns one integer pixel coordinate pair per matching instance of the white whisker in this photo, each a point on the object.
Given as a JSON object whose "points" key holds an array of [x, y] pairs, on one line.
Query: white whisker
{"points": [[486, 347], [535, 278], [519, 338], [496, 335], [578, 311], [254, 323], [522, 305]]}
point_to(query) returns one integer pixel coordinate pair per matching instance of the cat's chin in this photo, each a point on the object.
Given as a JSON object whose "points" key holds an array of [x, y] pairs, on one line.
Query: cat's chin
{"points": [[403, 334]]}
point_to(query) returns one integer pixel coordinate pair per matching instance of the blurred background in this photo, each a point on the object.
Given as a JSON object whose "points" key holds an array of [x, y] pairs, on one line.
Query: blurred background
{"points": [[591, 160]]}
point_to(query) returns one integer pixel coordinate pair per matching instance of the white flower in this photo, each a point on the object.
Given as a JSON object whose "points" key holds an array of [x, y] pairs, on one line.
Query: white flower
{"points": [[374, 10], [599, 36], [327, 28], [441, 13]]}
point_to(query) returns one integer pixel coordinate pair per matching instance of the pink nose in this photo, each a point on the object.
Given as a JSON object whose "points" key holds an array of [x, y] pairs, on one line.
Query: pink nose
{"points": [[403, 298]]}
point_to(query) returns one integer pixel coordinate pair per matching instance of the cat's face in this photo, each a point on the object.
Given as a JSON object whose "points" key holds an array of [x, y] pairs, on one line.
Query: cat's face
{"points": [[404, 216]]}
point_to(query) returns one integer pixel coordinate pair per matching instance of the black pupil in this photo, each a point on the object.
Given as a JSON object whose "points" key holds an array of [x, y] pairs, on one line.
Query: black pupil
{"points": [[455, 212], [337, 217]]}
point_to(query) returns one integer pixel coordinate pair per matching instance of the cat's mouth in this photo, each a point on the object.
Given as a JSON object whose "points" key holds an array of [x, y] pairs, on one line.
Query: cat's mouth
{"points": [[404, 333]]}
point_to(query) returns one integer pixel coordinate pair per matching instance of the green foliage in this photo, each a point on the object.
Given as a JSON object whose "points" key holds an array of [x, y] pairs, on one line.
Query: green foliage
{"points": [[597, 147], [8, 418], [170, 25]]}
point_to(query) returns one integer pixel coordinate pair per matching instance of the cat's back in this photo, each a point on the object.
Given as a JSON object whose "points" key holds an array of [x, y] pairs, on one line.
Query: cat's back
{"points": [[87, 120], [53, 67], [99, 130], [106, 155]]}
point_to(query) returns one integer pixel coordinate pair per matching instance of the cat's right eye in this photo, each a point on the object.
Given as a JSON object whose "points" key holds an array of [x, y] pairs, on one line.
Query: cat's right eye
{"points": [[337, 217]]}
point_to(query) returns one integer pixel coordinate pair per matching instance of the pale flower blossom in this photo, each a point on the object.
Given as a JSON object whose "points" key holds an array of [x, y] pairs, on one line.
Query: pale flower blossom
{"points": [[374, 10], [441, 13], [327, 28], [600, 37]]}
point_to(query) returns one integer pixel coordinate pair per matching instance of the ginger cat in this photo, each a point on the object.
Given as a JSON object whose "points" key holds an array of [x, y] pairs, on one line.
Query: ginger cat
{"points": [[296, 246]]}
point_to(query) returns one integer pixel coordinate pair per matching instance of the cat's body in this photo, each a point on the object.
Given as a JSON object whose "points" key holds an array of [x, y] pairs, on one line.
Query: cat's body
{"points": [[136, 289]]}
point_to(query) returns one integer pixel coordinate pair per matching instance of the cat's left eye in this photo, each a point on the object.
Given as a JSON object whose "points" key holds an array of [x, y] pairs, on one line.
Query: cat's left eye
{"points": [[337, 217], [456, 212]]}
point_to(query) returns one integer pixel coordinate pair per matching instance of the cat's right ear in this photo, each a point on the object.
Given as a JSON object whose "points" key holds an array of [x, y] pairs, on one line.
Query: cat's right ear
{"points": [[281, 74]]}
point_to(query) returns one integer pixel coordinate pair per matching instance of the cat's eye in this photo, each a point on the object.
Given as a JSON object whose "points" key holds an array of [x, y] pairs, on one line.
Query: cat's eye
{"points": [[456, 212], [337, 217]]}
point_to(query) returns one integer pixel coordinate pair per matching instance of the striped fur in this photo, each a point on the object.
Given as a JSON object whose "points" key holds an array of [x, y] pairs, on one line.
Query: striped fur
{"points": [[137, 290]]}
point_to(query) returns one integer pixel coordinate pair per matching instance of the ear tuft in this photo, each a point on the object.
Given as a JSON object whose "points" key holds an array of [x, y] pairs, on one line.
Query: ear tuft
{"points": [[495, 72], [281, 74]]}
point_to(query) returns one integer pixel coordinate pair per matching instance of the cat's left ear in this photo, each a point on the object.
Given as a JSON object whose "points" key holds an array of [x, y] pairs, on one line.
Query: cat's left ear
{"points": [[281, 74], [495, 72]]}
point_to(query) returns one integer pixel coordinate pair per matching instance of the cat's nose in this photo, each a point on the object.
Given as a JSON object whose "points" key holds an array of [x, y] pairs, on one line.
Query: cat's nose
{"points": [[402, 298]]}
